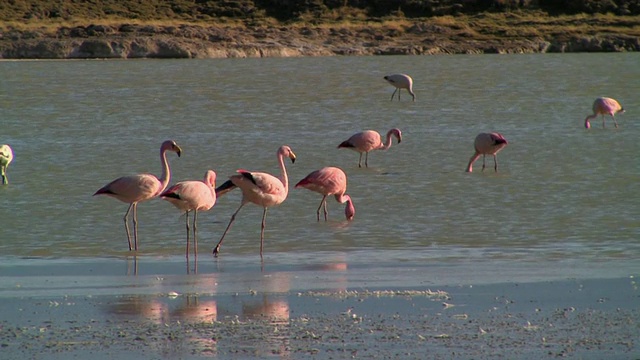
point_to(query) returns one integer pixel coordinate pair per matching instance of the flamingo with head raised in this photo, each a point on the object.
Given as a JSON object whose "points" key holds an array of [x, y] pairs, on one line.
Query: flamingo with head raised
{"points": [[604, 106], [193, 195], [329, 181], [136, 188], [259, 188], [369, 140], [401, 81], [487, 144], [6, 156]]}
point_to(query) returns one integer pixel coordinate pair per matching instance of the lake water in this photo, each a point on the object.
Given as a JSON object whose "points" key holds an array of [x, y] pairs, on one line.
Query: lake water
{"points": [[565, 199]]}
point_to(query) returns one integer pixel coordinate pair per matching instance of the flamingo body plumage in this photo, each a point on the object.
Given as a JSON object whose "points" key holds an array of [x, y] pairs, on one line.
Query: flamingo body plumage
{"points": [[604, 106], [136, 188], [401, 81], [369, 140], [193, 196], [259, 188], [329, 181], [6, 156], [487, 144]]}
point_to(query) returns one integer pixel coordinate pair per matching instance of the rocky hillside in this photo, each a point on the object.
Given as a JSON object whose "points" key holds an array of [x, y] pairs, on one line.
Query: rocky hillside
{"points": [[54, 29]]}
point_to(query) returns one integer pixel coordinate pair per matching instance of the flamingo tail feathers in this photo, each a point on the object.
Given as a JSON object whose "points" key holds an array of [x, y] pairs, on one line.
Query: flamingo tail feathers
{"points": [[225, 188]]}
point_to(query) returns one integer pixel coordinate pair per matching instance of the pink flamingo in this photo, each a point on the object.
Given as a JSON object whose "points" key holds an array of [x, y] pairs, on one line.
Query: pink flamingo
{"points": [[487, 144], [369, 140], [401, 81], [329, 181], [193, 196], [604, 106], [259, 188], [135, 188]]}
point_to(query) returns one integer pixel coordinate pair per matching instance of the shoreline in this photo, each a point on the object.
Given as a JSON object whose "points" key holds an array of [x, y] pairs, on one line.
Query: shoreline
{"points": [[421, 37]]}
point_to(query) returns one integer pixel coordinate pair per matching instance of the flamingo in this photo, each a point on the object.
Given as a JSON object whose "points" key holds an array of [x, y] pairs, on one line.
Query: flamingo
{"points": [[6, 156], [369, 140], [604, 106], [401, 81], [135, 188], [259, 188], [193, 196], [487, 144], [329, 181]]}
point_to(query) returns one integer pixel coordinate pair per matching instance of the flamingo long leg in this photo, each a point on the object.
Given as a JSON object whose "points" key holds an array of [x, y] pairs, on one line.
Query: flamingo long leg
{"points": [[135, 225], [195, 231], [126, 225], [216, 250], [319, 207], [394, 93], [264, 224]]}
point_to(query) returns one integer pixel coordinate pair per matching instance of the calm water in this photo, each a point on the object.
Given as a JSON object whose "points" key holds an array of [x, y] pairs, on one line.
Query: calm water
{"points": [[564, 195]]}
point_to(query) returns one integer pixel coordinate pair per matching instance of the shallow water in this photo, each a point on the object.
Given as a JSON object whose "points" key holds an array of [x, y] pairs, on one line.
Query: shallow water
{"points": [[564, 198]]}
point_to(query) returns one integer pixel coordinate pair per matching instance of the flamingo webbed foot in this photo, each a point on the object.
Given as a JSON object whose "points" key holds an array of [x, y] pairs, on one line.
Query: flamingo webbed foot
{"points": [[216, 250]]}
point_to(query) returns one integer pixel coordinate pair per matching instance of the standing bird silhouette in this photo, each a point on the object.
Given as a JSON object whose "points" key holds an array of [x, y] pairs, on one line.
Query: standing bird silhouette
{"points": [[487, 144], [259, 188], [401, 81], [369, 140], [329, 181], [6, 156], [604, 106], [136, 188], [193, 195]]}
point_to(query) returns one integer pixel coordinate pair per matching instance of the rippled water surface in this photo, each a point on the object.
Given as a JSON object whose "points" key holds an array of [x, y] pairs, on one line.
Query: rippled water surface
{"points": [[563, 194]]}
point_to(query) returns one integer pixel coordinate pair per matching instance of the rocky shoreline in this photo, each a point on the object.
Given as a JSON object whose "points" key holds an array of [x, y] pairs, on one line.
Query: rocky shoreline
{"points": [[129, 41]]}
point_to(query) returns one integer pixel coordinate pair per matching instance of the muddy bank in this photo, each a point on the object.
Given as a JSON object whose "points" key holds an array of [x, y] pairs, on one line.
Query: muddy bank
{"points": [[589, 319], [192, 41]]}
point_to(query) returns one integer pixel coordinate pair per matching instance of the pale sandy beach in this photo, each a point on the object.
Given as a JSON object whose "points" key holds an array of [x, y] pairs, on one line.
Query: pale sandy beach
{"points": [[325, 311]]}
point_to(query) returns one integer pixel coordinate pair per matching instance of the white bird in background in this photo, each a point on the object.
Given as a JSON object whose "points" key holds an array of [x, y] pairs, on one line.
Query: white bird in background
{"points": [[6, 156], [401, 81]]}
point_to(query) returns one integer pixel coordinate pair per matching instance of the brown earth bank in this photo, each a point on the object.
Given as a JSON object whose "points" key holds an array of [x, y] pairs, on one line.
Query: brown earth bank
{"points": [[127, 41]]}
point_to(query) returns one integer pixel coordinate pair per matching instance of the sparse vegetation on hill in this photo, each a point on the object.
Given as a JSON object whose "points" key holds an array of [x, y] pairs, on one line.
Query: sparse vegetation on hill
{"points": [[223, 28]]}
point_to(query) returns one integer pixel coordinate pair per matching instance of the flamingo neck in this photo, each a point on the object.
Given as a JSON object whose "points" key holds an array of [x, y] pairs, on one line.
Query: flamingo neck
{"points": [[166, 171], [388, 142], [283, 170]]}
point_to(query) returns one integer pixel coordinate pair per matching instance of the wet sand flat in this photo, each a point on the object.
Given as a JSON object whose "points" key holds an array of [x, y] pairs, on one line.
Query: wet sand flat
{"points": [[315, 315]]}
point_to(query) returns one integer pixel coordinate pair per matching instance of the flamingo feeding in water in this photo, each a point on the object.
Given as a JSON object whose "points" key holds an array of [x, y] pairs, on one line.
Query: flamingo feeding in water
{"points": [[487, 144], [259, 188], [369, 140], [136, 188], [401, 81], [193, 196], [329, 181], [604, 106], [6, 156]]}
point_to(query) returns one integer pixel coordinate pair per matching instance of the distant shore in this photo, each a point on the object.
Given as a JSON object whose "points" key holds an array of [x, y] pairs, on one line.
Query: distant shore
{"points": [[424, 37]]}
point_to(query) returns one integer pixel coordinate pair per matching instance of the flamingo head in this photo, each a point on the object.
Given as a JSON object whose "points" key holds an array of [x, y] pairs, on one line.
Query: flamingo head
{"points": [[349, 209], [397, 133], [170, 145], [587, 124], [285, 151]]}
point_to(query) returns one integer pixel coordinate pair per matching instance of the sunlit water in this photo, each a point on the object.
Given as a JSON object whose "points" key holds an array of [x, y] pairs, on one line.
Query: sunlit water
{"points": [[563, 195]]}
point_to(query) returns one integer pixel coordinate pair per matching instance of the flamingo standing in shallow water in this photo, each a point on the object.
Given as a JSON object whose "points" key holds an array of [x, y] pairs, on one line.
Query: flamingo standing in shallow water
{"points": [[193, 196], [369, 140], [401, 81], [135, 188], [329, 181], [604, 106], [6, 156], [487, 144], [259, 188]]}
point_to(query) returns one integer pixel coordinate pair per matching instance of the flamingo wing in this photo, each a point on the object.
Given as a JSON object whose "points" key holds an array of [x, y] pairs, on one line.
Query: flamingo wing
{"points": [[132, 188]]}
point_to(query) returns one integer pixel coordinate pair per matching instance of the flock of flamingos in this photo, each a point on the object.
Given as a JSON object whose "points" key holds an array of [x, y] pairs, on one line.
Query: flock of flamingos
{"points": [[266, 190]]}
